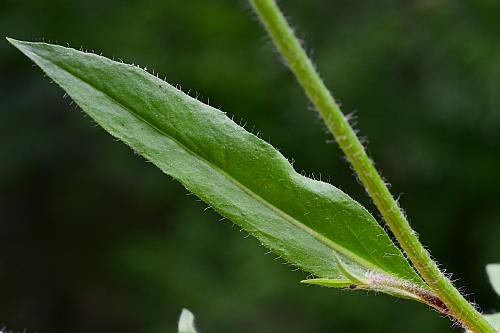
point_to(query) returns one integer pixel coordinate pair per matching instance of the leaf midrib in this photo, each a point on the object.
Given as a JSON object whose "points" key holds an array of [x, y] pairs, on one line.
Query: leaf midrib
{"points": [[326, 241]]}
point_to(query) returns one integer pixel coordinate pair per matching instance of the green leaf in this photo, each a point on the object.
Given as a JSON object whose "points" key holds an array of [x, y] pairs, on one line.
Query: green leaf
{"points": [[186, 322], [331, 283], [493, 271], [239, 175]]}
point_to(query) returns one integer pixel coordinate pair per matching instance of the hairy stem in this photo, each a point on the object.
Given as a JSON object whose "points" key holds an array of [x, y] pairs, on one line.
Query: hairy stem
{"points": [[306, 74]]}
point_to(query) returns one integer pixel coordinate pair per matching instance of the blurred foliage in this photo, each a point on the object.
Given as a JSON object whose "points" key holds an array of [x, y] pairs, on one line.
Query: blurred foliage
{"points": [[96, 240]]}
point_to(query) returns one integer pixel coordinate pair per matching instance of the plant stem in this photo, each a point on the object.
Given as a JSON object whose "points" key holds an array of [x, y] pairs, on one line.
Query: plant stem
{"points": [[290, 48]]}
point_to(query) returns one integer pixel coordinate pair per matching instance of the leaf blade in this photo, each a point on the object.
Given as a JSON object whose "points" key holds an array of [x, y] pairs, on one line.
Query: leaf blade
{"points": [[239, 175]]}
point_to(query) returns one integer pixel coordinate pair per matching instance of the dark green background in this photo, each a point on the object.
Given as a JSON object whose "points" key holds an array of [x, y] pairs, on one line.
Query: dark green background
{"points": [[93, 239]]}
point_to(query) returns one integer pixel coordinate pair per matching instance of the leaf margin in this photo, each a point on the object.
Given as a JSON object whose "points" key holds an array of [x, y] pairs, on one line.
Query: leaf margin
{"points": [[22, 47]]}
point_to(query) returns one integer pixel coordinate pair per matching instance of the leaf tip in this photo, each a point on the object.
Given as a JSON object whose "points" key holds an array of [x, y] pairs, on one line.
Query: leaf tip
{"points": [[186, 322], [491, 267], [19, 44], [12, 40]]}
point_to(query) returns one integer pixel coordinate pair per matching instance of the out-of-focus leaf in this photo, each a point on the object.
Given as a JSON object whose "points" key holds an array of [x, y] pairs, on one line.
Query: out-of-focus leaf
{"points": [[494, 319], [186, 322], [239, 175], [493, 271]]}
